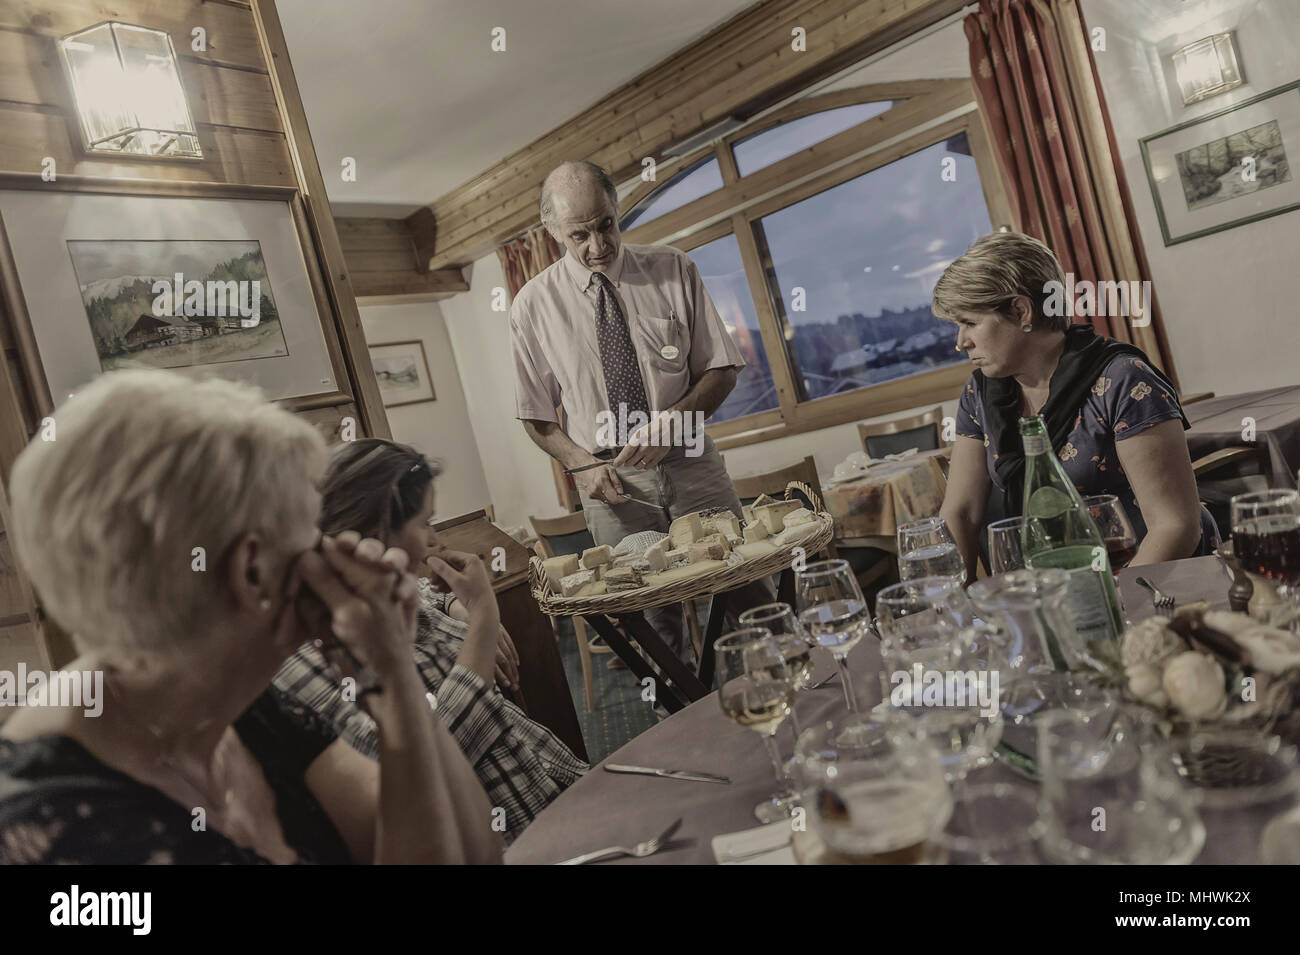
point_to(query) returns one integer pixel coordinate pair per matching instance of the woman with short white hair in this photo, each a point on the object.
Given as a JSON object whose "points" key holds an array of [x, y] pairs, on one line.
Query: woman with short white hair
{"points": [[170, 526], [1114, 419]]}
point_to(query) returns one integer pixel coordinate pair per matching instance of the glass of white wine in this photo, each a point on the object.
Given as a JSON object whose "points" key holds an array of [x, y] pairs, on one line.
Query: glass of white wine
{"points": [[793, 640], [756, 691], [926, 548], [834, 613]]}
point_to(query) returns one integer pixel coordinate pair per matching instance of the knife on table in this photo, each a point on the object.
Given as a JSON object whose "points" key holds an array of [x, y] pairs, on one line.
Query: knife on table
{"points": [[667, 773]]}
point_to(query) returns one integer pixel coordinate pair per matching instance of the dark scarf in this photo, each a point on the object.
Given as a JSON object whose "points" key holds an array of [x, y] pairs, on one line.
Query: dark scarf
{"points": [[1086, 355]]}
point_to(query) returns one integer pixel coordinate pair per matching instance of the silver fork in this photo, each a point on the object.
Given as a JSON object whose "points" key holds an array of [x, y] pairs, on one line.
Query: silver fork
{"points": [[1163, 603], [640, 850]]}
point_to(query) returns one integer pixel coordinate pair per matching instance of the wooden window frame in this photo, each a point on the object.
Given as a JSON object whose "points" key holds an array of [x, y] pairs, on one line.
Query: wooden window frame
{"points": [[926, 112]]}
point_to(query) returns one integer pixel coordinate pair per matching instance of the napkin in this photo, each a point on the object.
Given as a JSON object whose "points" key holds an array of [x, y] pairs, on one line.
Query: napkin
{"points": [[769, 845]]}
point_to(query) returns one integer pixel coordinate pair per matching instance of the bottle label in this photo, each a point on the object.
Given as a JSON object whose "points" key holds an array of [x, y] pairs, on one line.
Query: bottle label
{"points": [[1089, 606], [1036, 444]]}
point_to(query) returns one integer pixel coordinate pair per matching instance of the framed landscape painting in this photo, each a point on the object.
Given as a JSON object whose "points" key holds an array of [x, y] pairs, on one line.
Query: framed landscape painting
{"points": [[1227, 168], [402, 370], [202, 286]]}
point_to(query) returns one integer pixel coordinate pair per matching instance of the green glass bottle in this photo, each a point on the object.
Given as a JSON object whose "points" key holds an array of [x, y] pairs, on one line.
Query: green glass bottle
{"points": [[1059, 532]]}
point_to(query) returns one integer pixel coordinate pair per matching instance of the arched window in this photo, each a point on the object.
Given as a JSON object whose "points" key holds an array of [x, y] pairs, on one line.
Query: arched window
{"points": [[697, 180], [772, 145]]}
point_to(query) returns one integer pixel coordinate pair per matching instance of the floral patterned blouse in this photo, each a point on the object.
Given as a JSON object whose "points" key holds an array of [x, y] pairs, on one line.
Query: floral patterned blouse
{"points": [[1126, 399]]}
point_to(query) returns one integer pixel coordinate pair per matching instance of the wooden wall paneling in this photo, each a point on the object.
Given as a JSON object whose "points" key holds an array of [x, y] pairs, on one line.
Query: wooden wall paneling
{"points": [[231, 33], [381, 258], [362, 375], [838, 32]]}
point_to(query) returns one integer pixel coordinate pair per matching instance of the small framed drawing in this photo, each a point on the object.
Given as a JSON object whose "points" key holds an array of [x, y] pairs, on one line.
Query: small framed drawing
{"points": [[1226, 168], [402, 370], [202, 286]]}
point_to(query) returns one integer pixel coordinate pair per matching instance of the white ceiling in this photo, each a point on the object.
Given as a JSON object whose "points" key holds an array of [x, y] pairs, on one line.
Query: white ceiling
{"points": [[412, 90]]}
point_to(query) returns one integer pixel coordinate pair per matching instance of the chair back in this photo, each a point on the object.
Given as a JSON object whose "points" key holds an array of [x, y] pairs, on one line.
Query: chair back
{"points": [[920, 431], [562, 535], [773, 483]]}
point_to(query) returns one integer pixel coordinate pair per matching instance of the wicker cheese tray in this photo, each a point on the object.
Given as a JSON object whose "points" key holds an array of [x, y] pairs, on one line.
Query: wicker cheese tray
{"points": [[726, 578]]}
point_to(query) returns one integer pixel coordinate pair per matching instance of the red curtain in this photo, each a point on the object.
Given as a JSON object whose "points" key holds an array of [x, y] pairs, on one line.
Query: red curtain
{"points": [[1036, 86], [526, 256]]}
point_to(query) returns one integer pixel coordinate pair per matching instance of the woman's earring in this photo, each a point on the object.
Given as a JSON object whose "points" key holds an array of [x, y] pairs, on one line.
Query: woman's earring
{"points": [[1026, 327]]}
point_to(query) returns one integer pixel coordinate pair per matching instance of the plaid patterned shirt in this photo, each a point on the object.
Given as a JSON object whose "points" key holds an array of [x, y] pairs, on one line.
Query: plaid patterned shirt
{"points": [[521, 764]]}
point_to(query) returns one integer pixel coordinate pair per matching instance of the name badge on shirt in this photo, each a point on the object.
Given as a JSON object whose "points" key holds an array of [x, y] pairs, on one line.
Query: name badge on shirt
{"points": [[669, 351]]}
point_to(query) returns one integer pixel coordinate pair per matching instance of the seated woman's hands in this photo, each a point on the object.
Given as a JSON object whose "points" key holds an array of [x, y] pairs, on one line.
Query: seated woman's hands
{"points": [[488, 650], [371, 598]]}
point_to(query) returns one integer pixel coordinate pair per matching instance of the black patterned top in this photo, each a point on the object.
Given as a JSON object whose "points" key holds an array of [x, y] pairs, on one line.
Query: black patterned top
{"points": [[60, 804]]}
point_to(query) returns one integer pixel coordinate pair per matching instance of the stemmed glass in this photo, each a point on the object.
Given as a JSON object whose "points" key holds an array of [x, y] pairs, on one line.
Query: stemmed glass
{"points": [[779, 618], [1116, 529], [920, 602], [834, 612], [1266, 539], [756, 691], [926, 549], [1005, 552]]}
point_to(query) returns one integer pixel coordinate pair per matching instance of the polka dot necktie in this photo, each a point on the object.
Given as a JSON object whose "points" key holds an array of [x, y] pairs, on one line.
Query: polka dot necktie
{"points": [[623, 384]]}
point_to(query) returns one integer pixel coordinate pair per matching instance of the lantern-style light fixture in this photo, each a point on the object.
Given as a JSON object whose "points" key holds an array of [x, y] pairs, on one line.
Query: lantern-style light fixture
{"points": [[128, 92], [1207, 68]]}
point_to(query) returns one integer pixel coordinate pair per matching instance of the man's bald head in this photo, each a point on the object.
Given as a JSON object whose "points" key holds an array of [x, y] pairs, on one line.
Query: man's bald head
{"points": [[580, 209]]}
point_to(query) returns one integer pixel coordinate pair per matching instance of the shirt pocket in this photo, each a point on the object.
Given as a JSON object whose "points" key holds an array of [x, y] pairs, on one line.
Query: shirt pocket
{"points": [[665, 343]]}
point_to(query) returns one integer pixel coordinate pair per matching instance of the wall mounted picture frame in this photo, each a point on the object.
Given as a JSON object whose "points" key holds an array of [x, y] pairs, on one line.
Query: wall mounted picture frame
{"points": [[1227, 168], [402, 370], [238, 297]]}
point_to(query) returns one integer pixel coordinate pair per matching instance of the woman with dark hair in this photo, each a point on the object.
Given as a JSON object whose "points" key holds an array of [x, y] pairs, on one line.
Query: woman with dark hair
{"points": [[385, 490]]}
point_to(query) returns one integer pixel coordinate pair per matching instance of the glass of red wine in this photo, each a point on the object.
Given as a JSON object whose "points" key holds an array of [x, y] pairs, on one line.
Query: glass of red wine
{"points": [[1266, 538], [1116, 529]]}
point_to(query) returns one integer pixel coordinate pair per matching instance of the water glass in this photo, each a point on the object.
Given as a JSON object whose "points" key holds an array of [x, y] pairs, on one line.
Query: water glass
{"points": [[1111, 792], [1029, 606], [920, 602], [834, 613], [926, 548], [873, 786], [1005, 551]]}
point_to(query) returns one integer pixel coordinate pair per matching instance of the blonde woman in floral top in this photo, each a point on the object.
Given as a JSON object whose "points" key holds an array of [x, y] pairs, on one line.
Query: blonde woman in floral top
{"points": [[460, 650], [1114, 419]]}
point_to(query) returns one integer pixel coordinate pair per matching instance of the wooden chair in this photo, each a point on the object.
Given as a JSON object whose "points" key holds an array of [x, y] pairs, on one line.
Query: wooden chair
{"points": [[1199, 396], [921, 431], [773, 484], [569, 535]]}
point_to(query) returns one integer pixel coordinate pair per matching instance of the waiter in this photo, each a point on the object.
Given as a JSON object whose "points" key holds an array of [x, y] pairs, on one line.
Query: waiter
{"points": [[621, 335]]}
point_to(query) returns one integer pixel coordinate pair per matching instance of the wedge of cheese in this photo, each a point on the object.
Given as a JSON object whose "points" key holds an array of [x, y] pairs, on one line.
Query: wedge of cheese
{"points": [[757, 549], [594, 557], [773, 515], [686, 529], [596, 588], [713, 547], [795, 518], [676, 574], [728, 525], [618, 579], [747, 511], [795, 533], [656, 555], [756, 531], [557, 568], [572, 583]]}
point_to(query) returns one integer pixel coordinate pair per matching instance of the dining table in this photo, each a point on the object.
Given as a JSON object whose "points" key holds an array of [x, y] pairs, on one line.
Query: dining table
{"points": [[1273, 415], [605, 809]]}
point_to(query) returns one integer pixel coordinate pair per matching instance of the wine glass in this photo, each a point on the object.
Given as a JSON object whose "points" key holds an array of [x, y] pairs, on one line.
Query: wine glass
{"points": [[834, 612], [1266, 539], [920, 602], [1005, 552], [1116, 529], [780, 619], [756, 691], [926, 549], [874, 788]]}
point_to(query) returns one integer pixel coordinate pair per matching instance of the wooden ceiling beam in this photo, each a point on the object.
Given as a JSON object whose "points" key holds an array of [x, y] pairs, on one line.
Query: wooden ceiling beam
{"points": [[383, 267], [743, 66]]}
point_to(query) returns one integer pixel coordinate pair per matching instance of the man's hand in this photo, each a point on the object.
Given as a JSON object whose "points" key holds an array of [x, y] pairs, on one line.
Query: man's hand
{"points": [[640, 453], [601, 484]]}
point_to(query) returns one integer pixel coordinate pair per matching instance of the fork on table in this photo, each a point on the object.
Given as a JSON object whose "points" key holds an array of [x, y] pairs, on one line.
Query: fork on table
{"points": [[639, 851]]}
